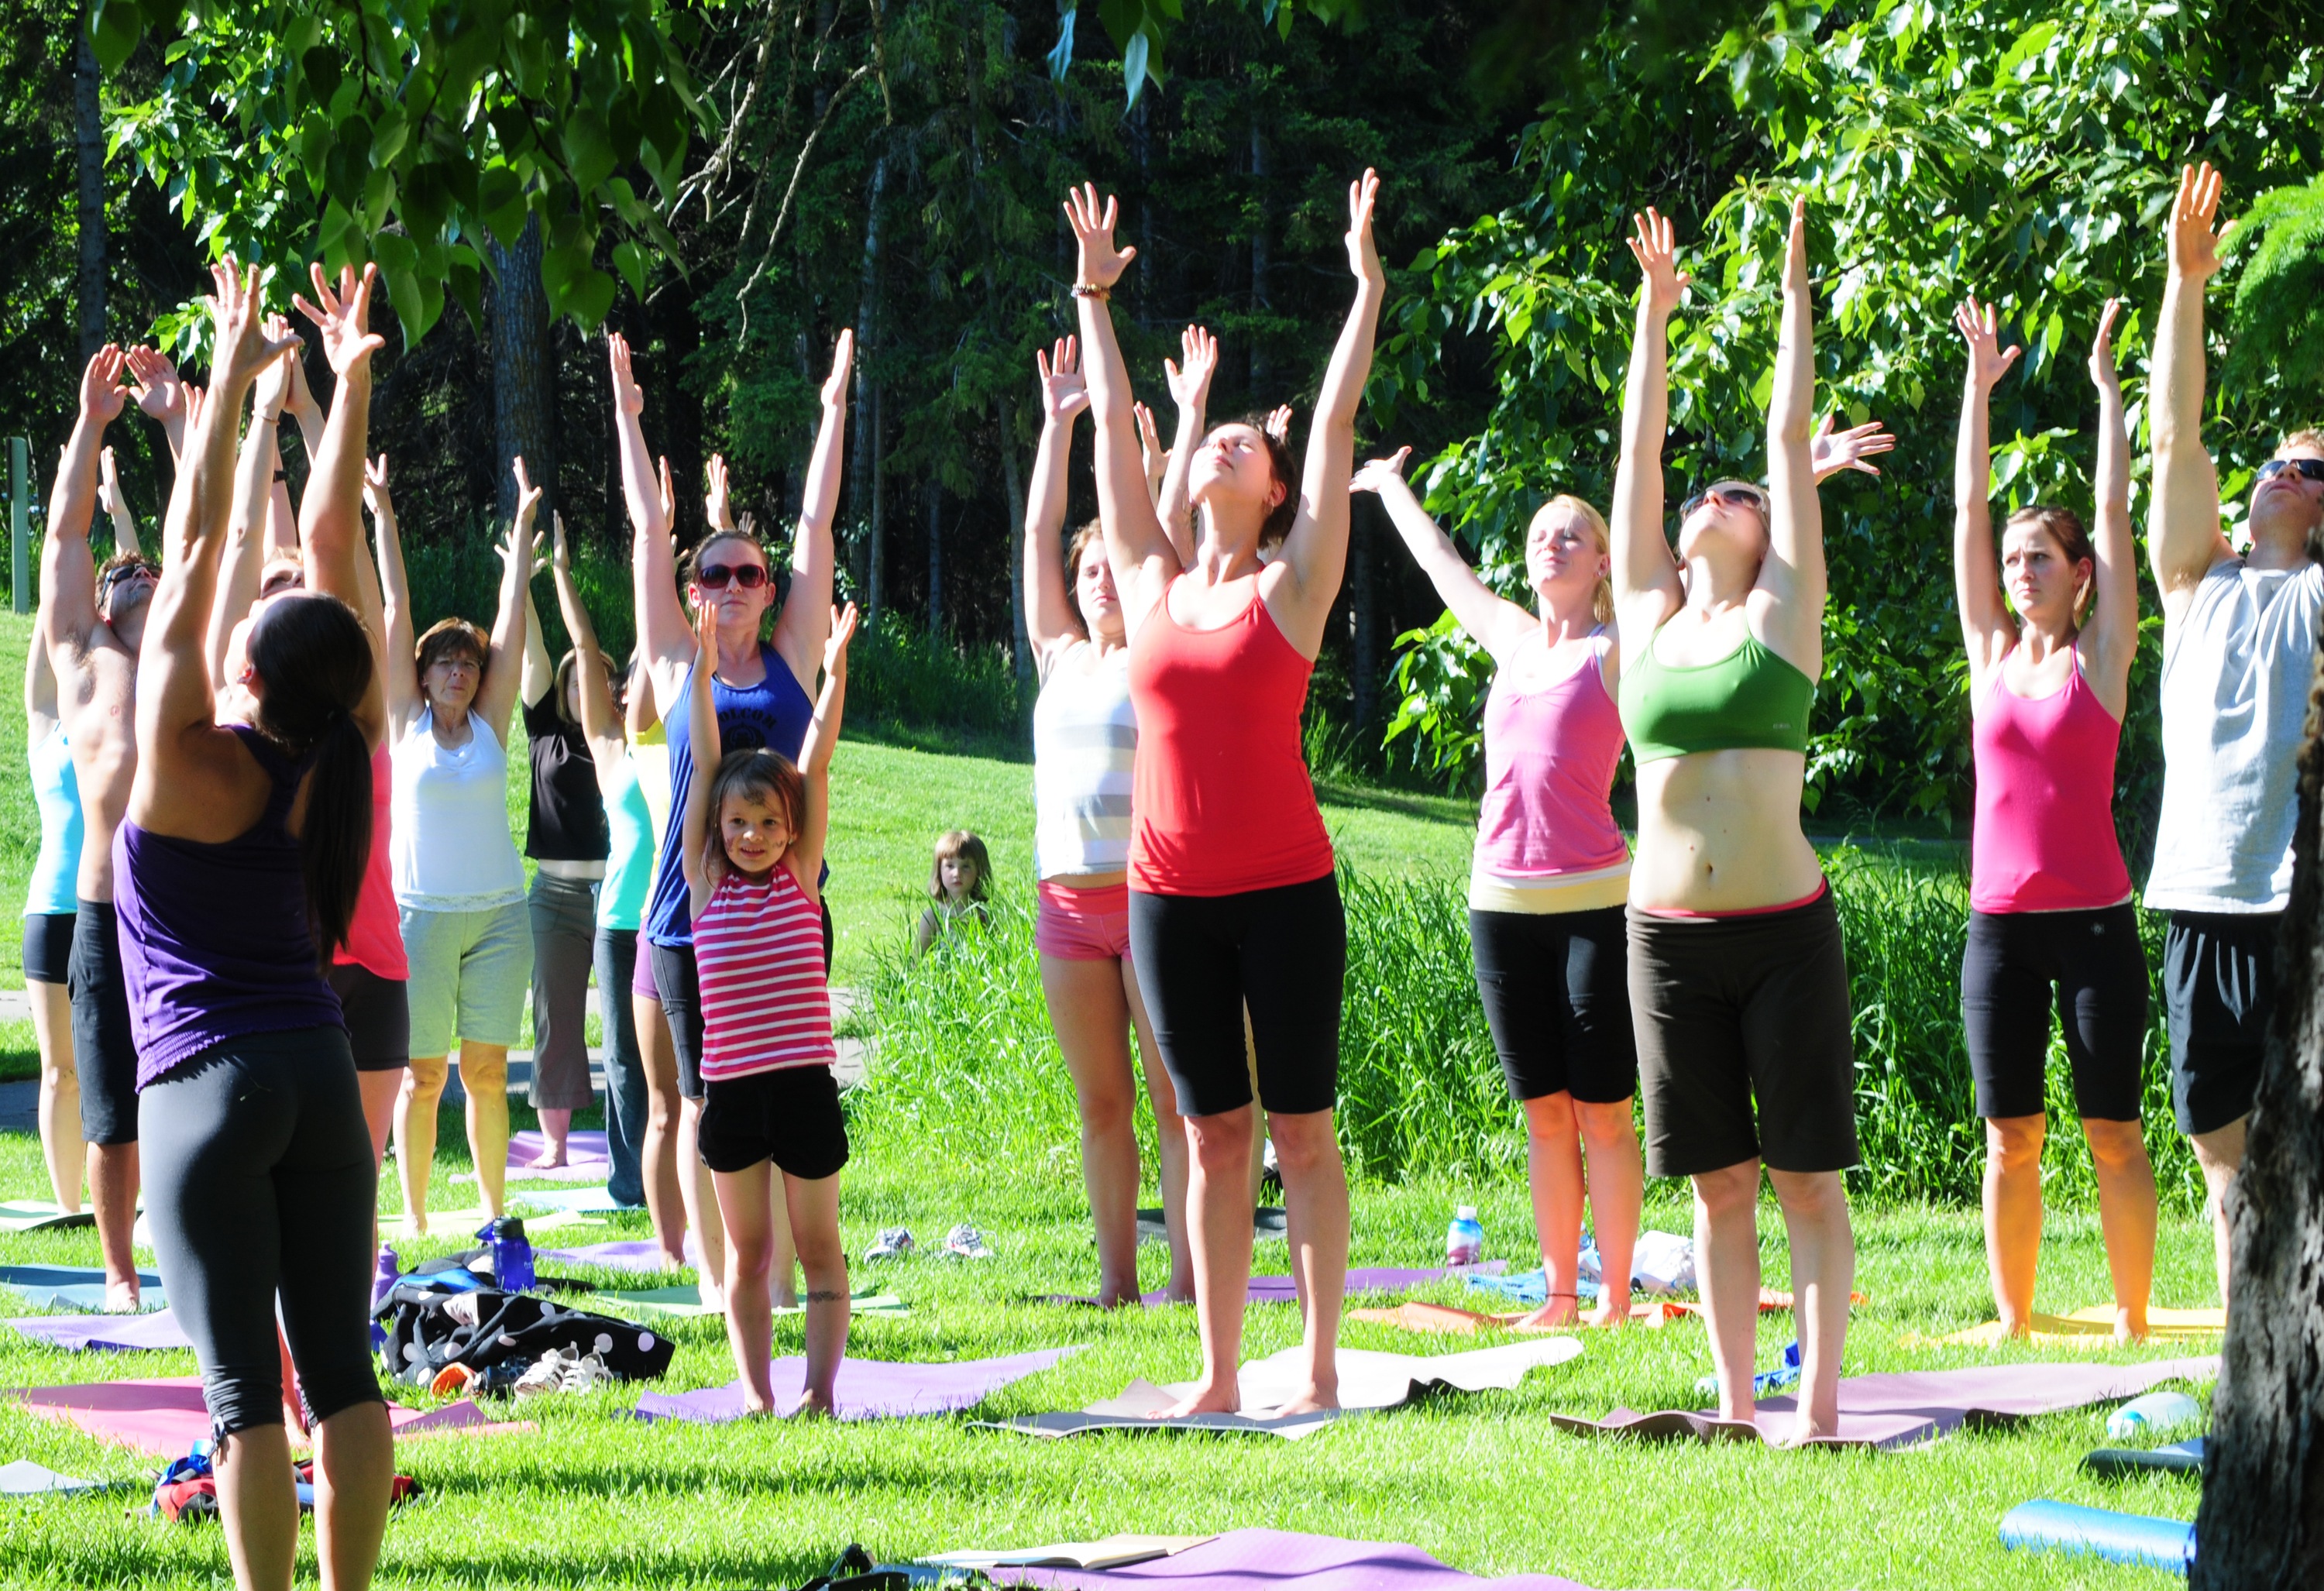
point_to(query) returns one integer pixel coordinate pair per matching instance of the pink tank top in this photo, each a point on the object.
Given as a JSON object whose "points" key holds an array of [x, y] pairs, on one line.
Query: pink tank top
{"points": [[375, 931], [758, 946], [2044, 840], [1550, 757]]}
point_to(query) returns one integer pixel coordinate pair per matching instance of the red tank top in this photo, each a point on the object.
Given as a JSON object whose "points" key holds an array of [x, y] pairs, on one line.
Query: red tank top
{"points": [[1222, 802]]}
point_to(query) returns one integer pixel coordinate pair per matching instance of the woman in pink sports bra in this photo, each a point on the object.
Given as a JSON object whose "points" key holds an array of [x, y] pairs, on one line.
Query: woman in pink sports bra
{"points": [[2049, 900], [1549, 879]]}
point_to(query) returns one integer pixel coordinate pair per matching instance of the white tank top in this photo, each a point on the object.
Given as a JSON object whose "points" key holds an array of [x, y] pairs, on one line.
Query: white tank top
{"points": [[1084, 757], [450, 845], [2235, 690]]}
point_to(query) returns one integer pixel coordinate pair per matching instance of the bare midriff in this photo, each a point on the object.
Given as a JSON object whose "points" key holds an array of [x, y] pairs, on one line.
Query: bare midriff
{"points": [[1720, 831], [1113, 880]]}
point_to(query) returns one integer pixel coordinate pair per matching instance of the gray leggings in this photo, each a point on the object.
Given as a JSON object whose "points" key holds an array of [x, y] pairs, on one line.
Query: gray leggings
{"points": [[625, 1072], [563, 916], [259, 1185]]}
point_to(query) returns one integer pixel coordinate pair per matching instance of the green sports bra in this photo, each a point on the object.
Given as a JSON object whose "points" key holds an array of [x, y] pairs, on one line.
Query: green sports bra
{"points": [[1749, 697]]}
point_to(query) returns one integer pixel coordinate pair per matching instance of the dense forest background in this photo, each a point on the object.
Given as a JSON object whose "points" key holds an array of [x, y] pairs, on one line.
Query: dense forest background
{"points": [[895, 166]]}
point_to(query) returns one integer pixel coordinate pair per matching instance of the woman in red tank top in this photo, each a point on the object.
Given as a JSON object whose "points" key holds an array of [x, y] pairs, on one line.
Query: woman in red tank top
{"points": [[1232, 897]]}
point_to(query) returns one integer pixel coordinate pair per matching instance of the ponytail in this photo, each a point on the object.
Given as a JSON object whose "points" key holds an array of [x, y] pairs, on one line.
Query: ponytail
{"points": [[314, 661]]}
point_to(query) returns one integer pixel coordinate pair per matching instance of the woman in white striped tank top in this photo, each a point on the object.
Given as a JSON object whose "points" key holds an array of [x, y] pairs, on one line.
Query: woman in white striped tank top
{"points": [[1084, 744]]}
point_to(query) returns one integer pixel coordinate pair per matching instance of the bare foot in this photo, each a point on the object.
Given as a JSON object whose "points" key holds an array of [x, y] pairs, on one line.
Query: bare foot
{"points": [[1313, 1398], [121, 1297], [1611, 1312], [783, 1298], [1558, 1311], [548, 1158], [1225, 1399], [712, 1296], [2130, 1326], [814, 1405], [1804, 1431]]}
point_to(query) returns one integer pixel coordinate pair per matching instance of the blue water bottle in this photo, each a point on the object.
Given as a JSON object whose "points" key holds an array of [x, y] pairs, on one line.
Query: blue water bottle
{"points": [[385, 1275], [1464, 1239], [512, 1253]]}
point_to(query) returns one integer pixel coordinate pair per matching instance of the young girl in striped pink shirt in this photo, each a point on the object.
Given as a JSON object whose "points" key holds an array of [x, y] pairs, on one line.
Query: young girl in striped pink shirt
{"points": [[754, 836]]}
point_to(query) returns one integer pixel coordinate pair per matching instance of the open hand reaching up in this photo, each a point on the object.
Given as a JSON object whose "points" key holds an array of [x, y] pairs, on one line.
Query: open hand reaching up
{"points": [[2194, 246], [1831, 451], [1653, 245], [1101, 264], [1378, 472], [1064, 391], [1980, 326], [2103, 374], [340, 318], [1190, 386]]}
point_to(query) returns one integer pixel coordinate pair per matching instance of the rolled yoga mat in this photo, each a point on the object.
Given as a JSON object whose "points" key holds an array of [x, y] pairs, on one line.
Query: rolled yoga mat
{"points": [[2070, 1528], [2177, 1457]]}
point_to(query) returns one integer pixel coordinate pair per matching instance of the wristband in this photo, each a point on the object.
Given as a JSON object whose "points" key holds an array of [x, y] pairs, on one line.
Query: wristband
{"points": [[1089, 289]]}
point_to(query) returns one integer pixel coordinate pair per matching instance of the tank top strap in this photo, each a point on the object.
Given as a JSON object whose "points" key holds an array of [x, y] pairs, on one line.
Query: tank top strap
{"points": [[283, 770]]}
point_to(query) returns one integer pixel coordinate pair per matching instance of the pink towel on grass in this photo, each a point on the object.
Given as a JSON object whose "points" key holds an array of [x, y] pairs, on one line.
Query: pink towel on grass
{"points": [[166, 1415]]}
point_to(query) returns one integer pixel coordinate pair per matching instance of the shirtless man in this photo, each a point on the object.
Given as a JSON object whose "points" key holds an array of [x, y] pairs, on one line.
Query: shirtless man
{"points": [[91, 620]]}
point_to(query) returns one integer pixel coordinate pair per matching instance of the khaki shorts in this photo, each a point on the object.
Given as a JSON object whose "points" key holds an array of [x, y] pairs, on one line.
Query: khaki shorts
{"points": [[469, 971]]}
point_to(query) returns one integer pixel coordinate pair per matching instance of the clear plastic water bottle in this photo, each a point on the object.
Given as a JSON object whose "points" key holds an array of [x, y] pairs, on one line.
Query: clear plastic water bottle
{"points": [[512, 1254], [2151, 1415], [384, 1278], [1464, 1239]]}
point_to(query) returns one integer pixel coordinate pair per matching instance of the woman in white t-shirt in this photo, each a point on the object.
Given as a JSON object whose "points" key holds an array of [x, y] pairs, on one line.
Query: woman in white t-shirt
{"points": [[1085, 743]]}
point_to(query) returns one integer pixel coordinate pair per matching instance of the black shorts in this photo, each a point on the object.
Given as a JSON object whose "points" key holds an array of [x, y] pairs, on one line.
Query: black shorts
{"points": [[1557, 996], [680, 987], [1737, 1010], [105, 1053], [377, 1014], [48, 946], [790, 1115], [2093, 960], [2218, 991], [1202, 958]]}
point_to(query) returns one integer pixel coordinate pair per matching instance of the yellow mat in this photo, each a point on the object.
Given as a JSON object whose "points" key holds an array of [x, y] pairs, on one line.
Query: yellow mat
{"points": [[2095, 1323]]}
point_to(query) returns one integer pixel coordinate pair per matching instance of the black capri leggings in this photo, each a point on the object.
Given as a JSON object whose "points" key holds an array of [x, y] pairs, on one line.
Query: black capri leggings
{"points": [[259, 1183], [1202, 958], [2095, 964]]}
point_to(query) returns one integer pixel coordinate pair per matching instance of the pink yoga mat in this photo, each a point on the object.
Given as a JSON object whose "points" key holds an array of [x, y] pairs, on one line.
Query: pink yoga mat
{"points": [[166, 1415], [1284, 1560], [867, 1389], [105, 1333], [1897, 1407], [585, 1157], [635, 1254]]}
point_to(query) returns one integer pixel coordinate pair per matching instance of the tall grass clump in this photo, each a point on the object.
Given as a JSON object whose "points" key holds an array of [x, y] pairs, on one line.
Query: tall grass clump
{"points": [[899, 676]]}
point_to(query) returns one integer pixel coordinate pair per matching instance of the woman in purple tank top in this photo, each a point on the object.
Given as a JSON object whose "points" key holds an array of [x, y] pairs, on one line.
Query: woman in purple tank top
{"points": [[2049, 897], [236, 872]]}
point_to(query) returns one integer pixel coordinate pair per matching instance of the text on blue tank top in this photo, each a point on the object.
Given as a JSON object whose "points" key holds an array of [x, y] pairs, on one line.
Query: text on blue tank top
{"points": [[773, 714]]}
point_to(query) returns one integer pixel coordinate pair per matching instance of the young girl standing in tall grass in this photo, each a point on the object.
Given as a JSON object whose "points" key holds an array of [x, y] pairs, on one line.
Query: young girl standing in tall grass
{"points": [[754, 836]]}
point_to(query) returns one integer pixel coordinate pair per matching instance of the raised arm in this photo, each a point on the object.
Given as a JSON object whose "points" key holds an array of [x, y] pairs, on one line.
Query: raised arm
{"points": [[68, 616], [1647, 589], [161, 395], [1491, 619], [662, 629], [245, 551], [539, 673], [497, 692], [1987, 630], [699, 830], [806, 618], [1151, 453], [805, 857], [1793, 576], [1144, 562], [1049, 596], [2110, 630], [399, 666], [2182, 536], [1314, 557], [600, 726], [116, 506], [1190, 390]]}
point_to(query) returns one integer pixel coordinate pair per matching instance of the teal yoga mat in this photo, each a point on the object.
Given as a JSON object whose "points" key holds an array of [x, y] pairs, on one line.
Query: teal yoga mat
{"points": [[2047, 1526], [73, 1287]]}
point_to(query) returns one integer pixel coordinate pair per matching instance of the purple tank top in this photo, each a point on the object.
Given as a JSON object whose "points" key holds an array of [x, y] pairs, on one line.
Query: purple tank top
{"points": [[215, 940]]}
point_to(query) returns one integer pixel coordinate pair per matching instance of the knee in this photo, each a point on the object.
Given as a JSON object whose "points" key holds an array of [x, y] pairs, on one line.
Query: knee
{"points": [[1816, 1197], [1551, 1118], [2013, 1143], [2116, 1145], [820, 1250], [1607, 1126], [424, 1079], [483, 1067], [1223, 1141], [1729, 1193], [1304, 1144]]}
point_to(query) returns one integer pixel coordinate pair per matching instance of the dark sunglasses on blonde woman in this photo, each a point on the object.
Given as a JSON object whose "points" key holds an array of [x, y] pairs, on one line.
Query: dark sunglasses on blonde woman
{"points": [[715, 576], [1734, 494]]}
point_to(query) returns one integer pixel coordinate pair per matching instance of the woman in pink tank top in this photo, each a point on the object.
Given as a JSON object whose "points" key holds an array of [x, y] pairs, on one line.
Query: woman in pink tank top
{"points": [[2051, 919], [1549, 879]]}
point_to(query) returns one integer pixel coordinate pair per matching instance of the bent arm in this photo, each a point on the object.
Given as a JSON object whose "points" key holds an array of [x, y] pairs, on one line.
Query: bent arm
{"points": [[1134, 541], [697, 832], [668, 639], [806, 856], [246, 548], [496, 691], [600, 726], [1315, 551], [399, 670], [68, 615], [539, 673]]}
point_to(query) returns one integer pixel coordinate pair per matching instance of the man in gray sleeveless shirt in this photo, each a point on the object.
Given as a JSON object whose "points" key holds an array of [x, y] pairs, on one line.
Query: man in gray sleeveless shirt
{"points": [[2238, 649]]}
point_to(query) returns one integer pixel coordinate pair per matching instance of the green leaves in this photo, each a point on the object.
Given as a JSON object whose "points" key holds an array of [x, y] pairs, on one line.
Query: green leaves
{"points": [[405, 130], [1142, 28]]}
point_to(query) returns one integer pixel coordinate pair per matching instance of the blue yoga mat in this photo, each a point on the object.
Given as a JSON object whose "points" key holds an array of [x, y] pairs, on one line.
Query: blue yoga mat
{"points": [[73, 1287], [2047, 1526], [1527, 1287]]}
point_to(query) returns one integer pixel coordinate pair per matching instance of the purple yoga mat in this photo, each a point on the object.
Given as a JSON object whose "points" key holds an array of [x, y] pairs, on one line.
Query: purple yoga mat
{"points": [[867, 1389], [1282, 1561], [1896, 1407], [105, 1333], [637, 1253], [585, 1155]]}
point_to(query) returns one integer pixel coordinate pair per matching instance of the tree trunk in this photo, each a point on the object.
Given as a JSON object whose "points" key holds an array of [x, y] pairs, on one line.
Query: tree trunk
{"points": [[877, 582], [88, 137], [1012, 481], [863, 467], [936, 558], [2262, 1520], [525, 372], [1261, 262]]}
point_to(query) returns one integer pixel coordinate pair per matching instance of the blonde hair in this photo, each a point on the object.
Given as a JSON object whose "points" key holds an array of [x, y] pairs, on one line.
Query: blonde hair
{"points": [[1601, 596], [2306, 437]]}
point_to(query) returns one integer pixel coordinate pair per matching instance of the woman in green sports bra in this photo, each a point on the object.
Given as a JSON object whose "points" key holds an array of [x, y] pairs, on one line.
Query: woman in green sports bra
{"points": [[1737, 982]]}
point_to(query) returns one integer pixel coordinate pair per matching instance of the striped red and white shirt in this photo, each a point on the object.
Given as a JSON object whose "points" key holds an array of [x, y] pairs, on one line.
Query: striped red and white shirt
{"points": [[758, 946]]}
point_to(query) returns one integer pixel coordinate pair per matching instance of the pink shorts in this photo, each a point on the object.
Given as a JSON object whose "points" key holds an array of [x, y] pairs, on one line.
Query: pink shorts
{"points": [[641, 982], [1083, 924]]}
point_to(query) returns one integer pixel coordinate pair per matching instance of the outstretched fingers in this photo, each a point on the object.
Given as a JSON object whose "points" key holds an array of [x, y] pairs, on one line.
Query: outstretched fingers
{"points": [[1376, 471]]}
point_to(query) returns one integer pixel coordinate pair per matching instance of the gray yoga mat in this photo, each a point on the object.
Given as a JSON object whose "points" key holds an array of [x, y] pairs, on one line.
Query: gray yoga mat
{"points": [[867, 1389], [72, 1287], [105, 1333]]}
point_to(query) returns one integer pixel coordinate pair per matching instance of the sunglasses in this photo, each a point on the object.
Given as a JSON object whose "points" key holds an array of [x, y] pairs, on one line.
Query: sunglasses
{"points": [[121, 572], [2307, 469], [715, 576], [1734, 494]]}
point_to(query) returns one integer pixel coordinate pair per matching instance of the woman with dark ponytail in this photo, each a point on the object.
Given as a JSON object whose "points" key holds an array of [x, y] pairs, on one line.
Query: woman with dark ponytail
{"points": [[235, 875]]}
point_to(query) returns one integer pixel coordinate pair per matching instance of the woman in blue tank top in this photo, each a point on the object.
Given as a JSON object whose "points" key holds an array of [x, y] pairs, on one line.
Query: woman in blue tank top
{"points": [[245, 840], [763, 692], [50, 905]]}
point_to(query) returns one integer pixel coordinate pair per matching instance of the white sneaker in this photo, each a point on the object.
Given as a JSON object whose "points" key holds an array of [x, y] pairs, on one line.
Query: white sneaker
{"points": [[546, 1375], [966, 1242], [891, 1242]]}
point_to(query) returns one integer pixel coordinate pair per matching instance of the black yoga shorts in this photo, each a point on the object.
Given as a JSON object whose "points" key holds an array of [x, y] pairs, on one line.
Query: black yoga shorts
{"points": [[2092, 959], [48, 946], [2219, 992], [1202, 958], [790, 1116], [105, 1053], [1557, 996], [1738, 1012], [377, 1014]]}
